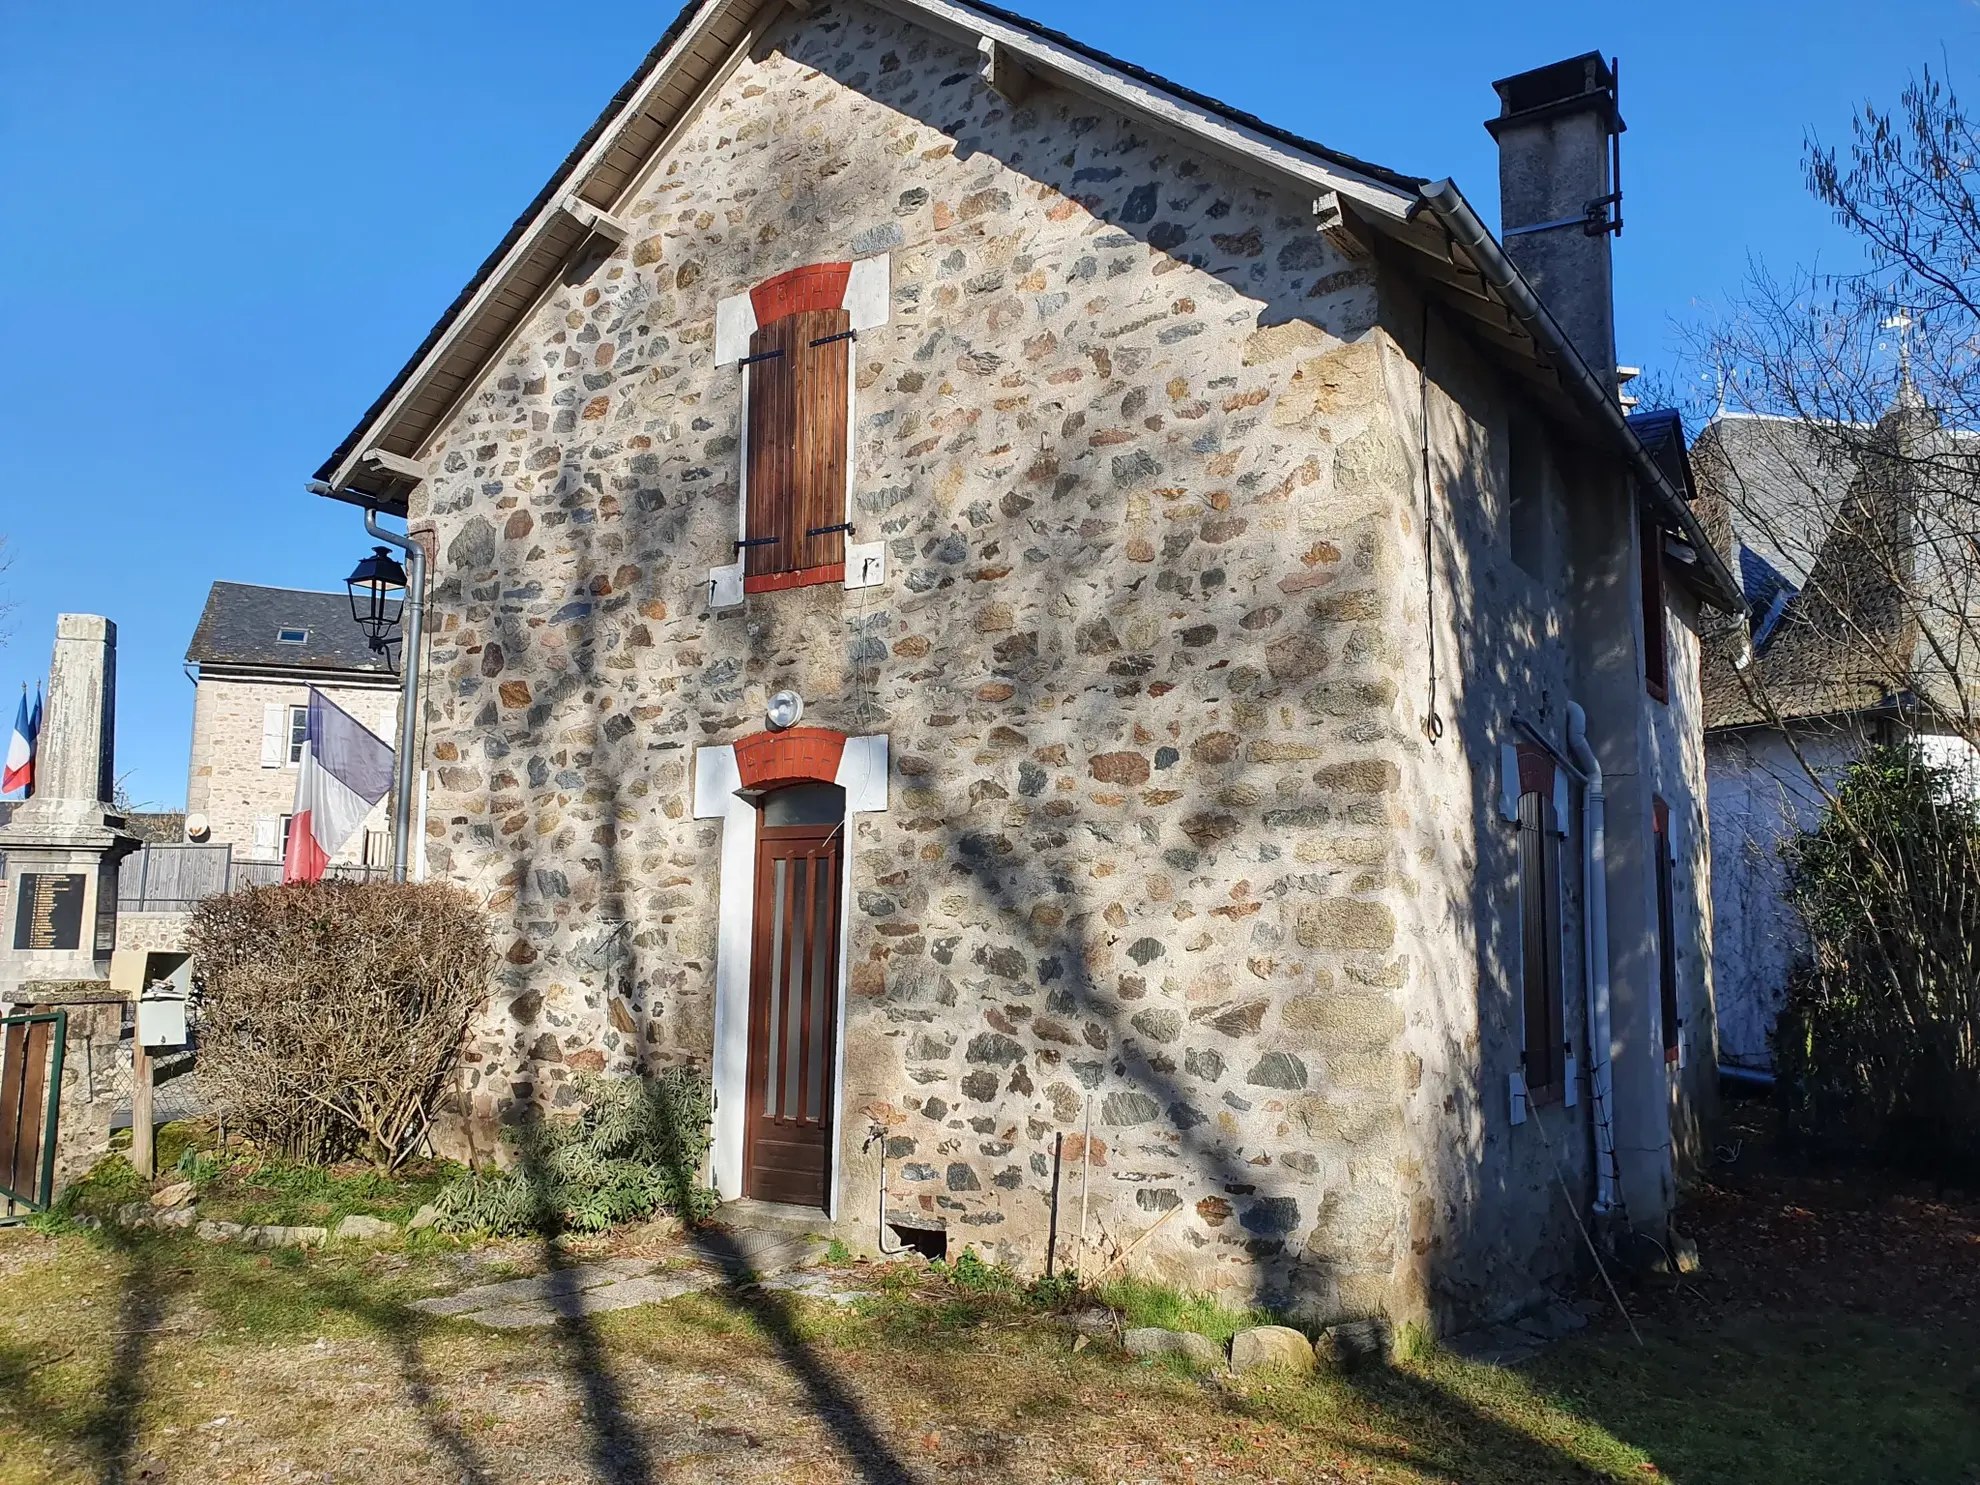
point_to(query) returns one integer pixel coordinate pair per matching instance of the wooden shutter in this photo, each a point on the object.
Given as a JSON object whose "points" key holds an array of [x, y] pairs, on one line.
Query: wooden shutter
{"points": [[1667, 979], [274, 735], [796, 461], [1545, 1052]]}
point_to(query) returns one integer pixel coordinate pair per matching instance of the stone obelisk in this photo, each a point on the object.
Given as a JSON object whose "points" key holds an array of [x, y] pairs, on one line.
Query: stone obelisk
{"points": [[64, 842]]}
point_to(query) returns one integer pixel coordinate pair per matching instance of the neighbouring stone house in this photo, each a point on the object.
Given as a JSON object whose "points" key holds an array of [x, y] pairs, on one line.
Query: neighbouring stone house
{"points": [[1856, 606], [1183, 543], [256, 654]]}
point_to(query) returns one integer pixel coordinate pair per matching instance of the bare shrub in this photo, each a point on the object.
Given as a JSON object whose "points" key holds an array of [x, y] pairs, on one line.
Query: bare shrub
{"points": [[333, 1014]]}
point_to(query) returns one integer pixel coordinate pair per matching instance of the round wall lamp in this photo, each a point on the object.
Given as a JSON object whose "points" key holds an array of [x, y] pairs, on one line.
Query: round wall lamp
{"points": [[784, 710]]}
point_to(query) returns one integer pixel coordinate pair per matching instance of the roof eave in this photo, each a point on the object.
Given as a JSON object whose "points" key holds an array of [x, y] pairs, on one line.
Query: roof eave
{"points": [[704, 42], [1604, 413]]}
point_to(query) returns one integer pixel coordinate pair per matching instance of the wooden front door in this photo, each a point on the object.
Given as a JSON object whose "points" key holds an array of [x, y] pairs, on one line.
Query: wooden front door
{"points": [[794, 972]]}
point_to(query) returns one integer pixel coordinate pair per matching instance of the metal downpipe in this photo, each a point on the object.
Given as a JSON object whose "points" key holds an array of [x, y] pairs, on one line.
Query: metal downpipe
{"points": [[1595, 957], [402, 759]]}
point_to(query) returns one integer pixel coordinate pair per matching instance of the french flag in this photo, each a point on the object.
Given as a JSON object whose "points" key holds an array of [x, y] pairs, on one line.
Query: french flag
{"points": [[346, 769], [19, 772]]}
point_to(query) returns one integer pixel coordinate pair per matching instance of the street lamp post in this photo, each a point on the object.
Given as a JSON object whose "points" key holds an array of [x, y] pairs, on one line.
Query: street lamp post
{"points": [[382, 592], [378, 598]]}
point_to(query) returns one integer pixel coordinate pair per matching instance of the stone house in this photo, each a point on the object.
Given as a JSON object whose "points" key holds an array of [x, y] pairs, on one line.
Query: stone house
{"points": [[253, 659], [1026, 622], [1855, 606]]}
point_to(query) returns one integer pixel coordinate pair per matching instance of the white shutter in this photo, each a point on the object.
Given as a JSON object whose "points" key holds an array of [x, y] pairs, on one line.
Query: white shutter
{"points": [[274, 735], [267, 832], [388, 724]]}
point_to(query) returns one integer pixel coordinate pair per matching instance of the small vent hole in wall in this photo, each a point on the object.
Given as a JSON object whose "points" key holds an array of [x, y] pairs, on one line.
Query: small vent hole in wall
{"points": [[929, 1242]]}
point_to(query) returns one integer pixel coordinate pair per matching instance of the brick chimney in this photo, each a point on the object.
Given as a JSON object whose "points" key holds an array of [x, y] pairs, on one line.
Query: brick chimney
{"points": [[1560, 197]]}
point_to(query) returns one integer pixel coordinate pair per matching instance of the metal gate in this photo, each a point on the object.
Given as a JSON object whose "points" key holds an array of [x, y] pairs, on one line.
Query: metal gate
{"points": [[31, 1048]]}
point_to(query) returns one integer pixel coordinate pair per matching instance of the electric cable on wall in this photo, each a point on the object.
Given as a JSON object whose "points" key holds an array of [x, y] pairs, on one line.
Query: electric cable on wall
{"points": [[1433, 722]]}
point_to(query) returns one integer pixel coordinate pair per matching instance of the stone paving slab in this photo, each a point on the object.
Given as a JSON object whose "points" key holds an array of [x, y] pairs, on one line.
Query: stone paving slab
{"points": [[758, 1251], [776, 1258], [623, 1295], [552, 1288], [816, 1286]]}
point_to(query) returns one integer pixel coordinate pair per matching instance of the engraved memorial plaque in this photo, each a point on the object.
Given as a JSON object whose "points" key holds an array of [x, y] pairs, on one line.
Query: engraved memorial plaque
{"points": [[49, 911]]}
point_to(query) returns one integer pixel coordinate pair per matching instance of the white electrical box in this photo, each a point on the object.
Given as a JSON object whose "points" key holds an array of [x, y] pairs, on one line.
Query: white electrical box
{"points": [[725, 586], [866, 564], [161, 1020], [161, 1007]]}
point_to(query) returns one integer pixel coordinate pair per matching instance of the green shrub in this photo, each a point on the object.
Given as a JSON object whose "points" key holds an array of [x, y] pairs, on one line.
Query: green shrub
{"points": [[1877, 1048], [332, 1014], [972, 1275], [634, 1148]]}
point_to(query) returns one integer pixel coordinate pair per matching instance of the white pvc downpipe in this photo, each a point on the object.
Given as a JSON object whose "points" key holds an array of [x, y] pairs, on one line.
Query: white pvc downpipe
{"points": [[1595, 954]]}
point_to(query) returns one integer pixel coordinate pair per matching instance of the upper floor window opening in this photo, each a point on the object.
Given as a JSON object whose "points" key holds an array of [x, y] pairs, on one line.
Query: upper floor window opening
{"points": [[1526, 496], [1656, 623]]}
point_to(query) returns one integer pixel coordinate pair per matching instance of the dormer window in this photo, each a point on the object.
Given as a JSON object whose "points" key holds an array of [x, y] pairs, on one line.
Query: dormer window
{"points": [[291, 636]]}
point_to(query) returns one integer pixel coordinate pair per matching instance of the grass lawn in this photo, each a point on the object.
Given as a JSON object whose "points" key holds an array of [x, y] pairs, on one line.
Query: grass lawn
{"points": [[1829, 1339]]}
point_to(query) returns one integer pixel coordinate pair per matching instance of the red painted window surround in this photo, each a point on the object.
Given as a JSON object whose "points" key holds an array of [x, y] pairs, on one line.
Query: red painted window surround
{"points": [[818, 286], [771, 582], [793, 756]]}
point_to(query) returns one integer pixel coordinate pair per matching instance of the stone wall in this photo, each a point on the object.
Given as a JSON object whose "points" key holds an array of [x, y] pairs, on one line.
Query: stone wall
{"points": [[154, 932], [1680, 780], [227, 783], [95, 1070], [1168, 841], [1486, 1228]]}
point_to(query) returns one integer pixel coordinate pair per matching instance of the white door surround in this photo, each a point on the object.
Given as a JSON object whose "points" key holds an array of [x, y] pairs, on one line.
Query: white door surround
{"points": [[728, 780]]}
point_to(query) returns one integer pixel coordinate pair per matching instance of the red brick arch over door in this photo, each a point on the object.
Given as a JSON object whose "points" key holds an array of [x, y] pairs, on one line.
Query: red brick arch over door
{"points": [[796, 755]]}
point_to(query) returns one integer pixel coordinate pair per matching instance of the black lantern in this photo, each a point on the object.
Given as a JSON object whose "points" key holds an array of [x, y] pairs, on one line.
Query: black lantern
{"points": [[378, 597]]}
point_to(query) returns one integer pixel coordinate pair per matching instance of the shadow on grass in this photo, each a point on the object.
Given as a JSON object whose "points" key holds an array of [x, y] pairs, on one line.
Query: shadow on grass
{"points": [[106, 1431], [618, 1450], [399, 1328], [1800, 1399], [834, 1404], [1433, 1429]]}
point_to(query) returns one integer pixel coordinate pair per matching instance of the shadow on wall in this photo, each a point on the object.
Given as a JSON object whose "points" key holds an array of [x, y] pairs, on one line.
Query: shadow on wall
{"points": [[1208, 689]]}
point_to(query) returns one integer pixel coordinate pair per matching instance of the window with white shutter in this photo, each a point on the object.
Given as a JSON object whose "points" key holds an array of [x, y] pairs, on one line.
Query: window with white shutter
{"points": [[274, 734], [267, 832]]}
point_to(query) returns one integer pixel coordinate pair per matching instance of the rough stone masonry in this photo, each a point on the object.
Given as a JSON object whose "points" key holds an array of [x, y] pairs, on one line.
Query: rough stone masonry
{"points": [[1158, 850]]}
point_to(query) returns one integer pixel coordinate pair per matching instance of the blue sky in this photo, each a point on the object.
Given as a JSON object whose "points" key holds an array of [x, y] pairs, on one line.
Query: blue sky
{"points": [[227, 224]]}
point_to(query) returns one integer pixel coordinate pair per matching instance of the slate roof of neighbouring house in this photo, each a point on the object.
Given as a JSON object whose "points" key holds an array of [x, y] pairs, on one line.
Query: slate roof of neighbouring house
{"points": [[1781, 484], [244, 624], [1855, 598]]}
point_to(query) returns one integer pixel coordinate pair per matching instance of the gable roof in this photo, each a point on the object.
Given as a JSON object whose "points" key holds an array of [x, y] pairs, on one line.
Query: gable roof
{"points": [[242, 623], [1860, 595], [1780, 482], [1429, 225]]}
